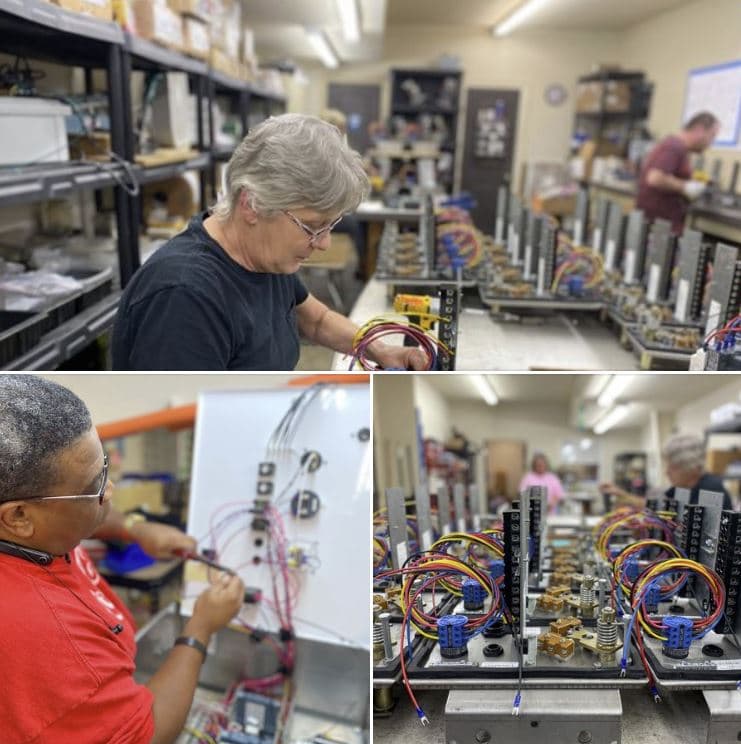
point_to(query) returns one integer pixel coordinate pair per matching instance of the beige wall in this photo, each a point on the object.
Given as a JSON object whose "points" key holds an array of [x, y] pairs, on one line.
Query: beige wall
{"points": [[667, 47], [526, 62]]}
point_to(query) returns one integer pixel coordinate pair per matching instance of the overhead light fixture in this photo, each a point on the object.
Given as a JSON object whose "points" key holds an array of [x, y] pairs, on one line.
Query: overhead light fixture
{"points": [[373, 15], [525, 11], [595, 386], [350, 19], [322, 48], [613, 390], [611, 419], [485, 390]]}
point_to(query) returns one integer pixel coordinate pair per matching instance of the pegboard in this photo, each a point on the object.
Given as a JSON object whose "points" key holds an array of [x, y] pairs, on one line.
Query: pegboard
{"points": [[232, 438]]}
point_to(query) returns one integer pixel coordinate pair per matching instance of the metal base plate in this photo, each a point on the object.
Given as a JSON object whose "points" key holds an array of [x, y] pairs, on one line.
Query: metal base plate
{"points": [[555, 716], [697, 665]]}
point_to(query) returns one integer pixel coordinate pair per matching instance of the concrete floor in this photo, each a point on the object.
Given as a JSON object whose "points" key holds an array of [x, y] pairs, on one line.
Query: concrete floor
{"points": [[681, 718]]}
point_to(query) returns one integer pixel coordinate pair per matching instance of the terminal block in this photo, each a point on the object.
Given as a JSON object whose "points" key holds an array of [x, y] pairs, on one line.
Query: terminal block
{"points": [[553, 600], [728, 562], [512, 564], [692, 531], [556, 646]]}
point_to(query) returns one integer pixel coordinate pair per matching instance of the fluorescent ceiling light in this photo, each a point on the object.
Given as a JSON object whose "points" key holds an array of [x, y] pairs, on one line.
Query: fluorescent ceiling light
{"points": [[322, 48], [373, 13], [350, 19], [613, 390], [484, 389], [612, 418], [525, 11], [595, 386]]}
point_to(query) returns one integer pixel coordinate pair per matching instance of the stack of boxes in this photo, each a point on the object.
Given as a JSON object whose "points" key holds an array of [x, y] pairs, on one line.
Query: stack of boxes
{"points": [[209, 30]]}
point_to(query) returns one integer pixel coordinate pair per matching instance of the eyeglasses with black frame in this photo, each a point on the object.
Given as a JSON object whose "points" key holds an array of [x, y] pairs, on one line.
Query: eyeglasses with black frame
{"points": [[100, 495], [314, 235]]}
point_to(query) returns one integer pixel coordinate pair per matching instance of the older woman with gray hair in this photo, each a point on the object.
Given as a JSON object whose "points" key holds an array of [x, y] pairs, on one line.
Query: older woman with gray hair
{"points": [[684, 458], [224, 294]]}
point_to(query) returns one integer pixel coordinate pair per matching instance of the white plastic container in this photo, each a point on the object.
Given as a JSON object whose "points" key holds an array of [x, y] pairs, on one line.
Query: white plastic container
{"points": [[32, 130]]}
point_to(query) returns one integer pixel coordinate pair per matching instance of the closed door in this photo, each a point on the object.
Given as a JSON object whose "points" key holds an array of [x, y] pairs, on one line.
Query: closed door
{"points": [[360, 104], [505, 468], [491, 123]]}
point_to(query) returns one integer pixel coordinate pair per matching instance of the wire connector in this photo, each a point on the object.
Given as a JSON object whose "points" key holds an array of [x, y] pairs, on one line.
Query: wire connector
{"points": [[423, 719], [623, 665], [516, 704], [655, 693]]}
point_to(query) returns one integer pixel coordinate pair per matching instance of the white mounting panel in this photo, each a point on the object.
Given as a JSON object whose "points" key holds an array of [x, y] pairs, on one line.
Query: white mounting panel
{"points": [[231, 437]]}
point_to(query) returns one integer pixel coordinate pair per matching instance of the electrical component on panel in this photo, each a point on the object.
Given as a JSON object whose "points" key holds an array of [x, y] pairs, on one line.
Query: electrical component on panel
{"points": [[264, 492], [678, 632], [451, 630], [496, 568], [305, 504], [728, 562], [692, 531], [474, 595], [512, 564]]}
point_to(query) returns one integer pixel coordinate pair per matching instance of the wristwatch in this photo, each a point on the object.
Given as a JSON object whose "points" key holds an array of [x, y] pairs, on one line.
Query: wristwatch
{"points": [[129, 521]]}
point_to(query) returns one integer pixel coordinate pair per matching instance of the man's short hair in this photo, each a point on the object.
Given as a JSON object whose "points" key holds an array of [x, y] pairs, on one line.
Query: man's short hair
{"points": [[685, 451], [38, 419], [704, 119]]}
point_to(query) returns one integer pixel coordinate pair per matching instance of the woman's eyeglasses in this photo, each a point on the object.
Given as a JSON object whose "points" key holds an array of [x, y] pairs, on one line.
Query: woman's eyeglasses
{"points": [[314, 235], [100, 495]]}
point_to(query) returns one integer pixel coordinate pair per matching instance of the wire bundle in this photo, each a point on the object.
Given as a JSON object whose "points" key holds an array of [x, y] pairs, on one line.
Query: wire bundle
{"points": [[725, 337], [580, 262], [623, 585], [458, 241], [383, 326], [638, 521], [656, 576], [484, 541], [423, 572]]}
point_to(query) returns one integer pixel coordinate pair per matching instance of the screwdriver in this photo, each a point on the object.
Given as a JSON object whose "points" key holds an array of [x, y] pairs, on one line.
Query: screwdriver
{"points": [[189, 555]]}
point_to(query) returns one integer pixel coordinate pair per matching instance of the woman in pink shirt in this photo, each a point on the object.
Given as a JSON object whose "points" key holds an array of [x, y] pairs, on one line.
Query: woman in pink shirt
{"points": [[540, 475]]}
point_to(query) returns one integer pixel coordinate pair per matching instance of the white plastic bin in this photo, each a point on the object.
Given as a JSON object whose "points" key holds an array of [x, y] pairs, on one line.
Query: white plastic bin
{"points": [[32, 130]]}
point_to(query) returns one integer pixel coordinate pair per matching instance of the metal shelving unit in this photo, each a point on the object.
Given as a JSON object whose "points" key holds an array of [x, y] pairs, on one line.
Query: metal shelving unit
{"points": [[39, 30]]}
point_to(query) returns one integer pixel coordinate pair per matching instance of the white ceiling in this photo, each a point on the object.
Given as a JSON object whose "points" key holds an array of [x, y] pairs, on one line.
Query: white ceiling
{"points": [[279, 26], [660, 392], [596, 15]]}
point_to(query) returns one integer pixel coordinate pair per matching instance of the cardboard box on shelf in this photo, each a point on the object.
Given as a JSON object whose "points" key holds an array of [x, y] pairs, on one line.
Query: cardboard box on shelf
{"points": [[148, 494], [196, 38], [226, 27], [102, 9], [558, 206], [717, 461], [201, 9], [248, 45], [158, 22], [588, 98], [225, 64], [617, 96]]}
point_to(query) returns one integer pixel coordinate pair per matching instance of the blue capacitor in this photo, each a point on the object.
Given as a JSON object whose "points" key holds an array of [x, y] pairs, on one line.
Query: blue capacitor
{"points": [[678, 631], [451, 631], [473, 595], [496, 568], [653, 596]]}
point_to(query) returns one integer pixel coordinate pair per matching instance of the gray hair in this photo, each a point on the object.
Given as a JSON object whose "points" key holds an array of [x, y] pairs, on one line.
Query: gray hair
{"points": [[294, 161], [38, 419], [685, 451]]}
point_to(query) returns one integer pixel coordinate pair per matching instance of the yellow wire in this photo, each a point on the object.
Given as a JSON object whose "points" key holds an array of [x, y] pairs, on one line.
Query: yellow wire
{"points": [[199, 734]]}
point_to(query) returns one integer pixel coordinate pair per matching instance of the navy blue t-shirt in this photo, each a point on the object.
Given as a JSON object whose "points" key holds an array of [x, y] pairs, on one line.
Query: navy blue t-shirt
{"points": [[191, 307], [707, 482]]}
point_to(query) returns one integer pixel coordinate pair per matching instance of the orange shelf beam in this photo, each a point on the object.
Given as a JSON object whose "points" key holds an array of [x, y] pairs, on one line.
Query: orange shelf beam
{"points": [[179, 417]]}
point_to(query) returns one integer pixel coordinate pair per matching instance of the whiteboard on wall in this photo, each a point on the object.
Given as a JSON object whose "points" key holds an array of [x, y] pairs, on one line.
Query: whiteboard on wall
{"points": [[232, 437], [717, 89]]}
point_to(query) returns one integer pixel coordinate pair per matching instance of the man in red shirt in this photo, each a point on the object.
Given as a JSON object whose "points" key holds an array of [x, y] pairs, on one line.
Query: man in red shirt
{"points": [[66, 640], [665, 186]]}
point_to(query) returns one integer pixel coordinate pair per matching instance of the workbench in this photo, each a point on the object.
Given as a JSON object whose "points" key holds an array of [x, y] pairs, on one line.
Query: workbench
{"points": [[558, 341]]}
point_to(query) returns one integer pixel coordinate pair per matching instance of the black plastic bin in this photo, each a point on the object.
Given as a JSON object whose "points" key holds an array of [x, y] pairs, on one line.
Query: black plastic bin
{"points": [[19, 333], [97, 286]]}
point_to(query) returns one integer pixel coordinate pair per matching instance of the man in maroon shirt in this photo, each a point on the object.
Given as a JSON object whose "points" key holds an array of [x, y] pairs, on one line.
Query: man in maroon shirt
{"points": [[666, 186]]}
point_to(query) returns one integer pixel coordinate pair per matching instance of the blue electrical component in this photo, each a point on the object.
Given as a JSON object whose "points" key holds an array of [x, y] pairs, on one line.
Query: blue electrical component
{"points": [[473, 595], [496, 568], [631, 568], [678, 632], [576, 285], [653, 597], [451, 631]]}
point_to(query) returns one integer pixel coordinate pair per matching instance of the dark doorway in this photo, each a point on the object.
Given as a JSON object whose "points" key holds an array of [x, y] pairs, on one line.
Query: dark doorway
{"points": [[491, 124], [361, 105]]}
